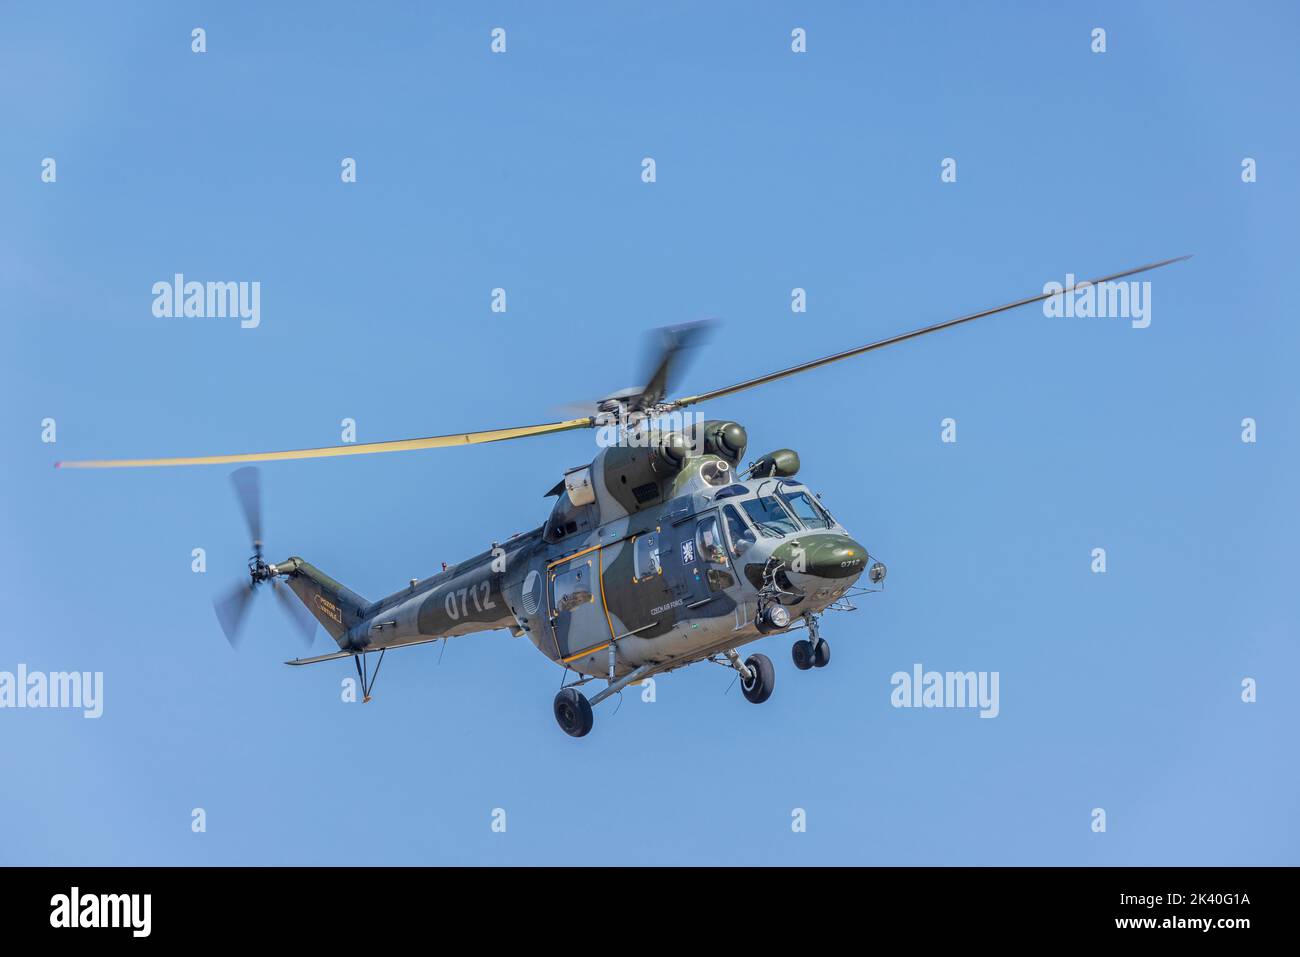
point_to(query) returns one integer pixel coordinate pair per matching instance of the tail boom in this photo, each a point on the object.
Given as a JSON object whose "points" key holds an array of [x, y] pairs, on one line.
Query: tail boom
{"points": [[334, 605]]}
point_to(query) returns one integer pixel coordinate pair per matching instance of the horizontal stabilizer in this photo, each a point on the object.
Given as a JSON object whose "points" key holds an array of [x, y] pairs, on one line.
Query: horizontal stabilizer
{"points": [[311, 661], [348, 654]]}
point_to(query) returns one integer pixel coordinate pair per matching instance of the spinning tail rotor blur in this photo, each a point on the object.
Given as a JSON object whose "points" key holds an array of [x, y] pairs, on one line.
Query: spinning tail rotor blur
{"points": [[232, 606]]}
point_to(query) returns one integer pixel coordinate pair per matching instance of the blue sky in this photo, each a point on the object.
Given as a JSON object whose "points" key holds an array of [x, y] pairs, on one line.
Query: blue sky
{"points": [[774, 170]]}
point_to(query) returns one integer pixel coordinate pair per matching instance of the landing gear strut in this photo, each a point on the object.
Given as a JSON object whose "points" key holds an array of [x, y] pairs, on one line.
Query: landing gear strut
{"points": [[813, 652], [573, 710], [366, 675]]}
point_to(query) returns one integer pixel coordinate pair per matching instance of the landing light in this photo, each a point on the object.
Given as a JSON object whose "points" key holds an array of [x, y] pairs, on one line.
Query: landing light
{"points": [[778, 616]]}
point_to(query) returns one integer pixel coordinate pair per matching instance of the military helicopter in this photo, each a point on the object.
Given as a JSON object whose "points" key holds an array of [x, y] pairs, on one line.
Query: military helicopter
{"points": [[659, 553]]}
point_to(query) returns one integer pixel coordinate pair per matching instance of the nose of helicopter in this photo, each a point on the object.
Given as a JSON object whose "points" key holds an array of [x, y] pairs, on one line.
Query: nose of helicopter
{"points": [[834, 556]]}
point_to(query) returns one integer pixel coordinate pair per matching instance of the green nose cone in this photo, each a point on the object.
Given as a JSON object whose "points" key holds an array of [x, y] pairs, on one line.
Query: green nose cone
{"points": [[826, 556]]}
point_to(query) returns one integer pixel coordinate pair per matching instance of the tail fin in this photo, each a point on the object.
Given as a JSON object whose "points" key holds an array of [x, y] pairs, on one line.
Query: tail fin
{"points": [[335, 606]]}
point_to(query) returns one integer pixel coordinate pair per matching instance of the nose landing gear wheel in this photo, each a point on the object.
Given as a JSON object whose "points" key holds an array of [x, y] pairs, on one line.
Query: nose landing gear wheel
{"points": [[573, 712], [758, 687], [822, 654], [813, 651], [802, 653]]}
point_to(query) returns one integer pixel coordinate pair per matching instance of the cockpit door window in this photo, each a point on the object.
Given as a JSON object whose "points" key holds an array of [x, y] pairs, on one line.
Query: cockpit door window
{"points": [[712, 551], [742, 537], [709, 542]]}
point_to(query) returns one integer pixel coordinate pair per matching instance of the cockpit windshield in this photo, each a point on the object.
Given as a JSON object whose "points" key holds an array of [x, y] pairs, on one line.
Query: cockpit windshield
{"points": [[807, 509], [769, 517]]}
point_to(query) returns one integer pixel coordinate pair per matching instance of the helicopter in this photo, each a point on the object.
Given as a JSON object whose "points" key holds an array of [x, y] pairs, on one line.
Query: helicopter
{"points": [[661, 552]]}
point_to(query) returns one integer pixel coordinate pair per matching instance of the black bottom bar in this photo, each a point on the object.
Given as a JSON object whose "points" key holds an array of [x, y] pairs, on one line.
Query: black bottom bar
{"points": [[334, 906]]}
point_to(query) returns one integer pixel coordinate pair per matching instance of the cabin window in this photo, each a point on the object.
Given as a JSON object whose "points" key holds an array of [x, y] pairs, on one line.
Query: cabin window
{"points": [[807, 509], [571, 588], [645, 557]]}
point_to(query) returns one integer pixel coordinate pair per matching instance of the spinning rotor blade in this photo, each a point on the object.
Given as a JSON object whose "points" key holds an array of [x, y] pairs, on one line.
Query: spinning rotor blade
{"points": [[925, 330], [364, 448], [231, 610], [302, 619], [672, 344], [248, 489], [664, 354]]}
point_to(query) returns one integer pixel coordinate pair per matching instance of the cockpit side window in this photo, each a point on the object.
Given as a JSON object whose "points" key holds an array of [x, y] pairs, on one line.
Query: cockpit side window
{"points": [[740, 534], [807, 509], [769, 517]]}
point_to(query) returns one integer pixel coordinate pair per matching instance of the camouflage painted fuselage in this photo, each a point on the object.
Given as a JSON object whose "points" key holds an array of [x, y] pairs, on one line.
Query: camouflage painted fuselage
{"points": [[654, 555]]}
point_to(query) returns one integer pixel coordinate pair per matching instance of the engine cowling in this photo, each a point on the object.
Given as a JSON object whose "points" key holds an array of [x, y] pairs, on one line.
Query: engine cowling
{"points": [[725, 439], [783, 463], [635, 473]]}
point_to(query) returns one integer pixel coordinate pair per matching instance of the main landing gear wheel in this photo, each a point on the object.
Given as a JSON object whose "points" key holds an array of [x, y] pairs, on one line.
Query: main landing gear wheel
{"points": [[802, 653], [762, 679], [573, 712]]}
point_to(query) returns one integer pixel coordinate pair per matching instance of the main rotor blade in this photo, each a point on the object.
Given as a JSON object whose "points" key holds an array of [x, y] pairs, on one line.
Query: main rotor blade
{"points": [[231, 610], [669, 347], [248, 489], [880, 344], [365, 448], [303, 620], [664, 354]]}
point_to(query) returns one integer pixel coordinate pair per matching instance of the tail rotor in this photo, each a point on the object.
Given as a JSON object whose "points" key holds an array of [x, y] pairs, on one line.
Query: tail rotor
{"points": [[232, 606]]}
